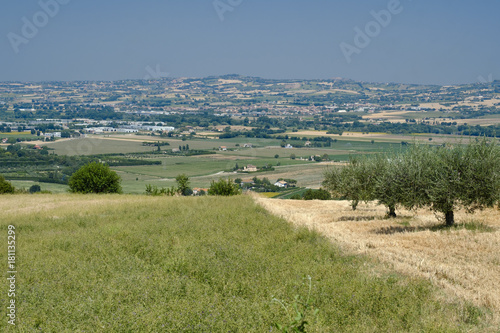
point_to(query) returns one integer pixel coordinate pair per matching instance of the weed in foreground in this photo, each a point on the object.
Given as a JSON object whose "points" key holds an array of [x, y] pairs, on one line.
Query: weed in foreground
{"points": [[301, 308]]}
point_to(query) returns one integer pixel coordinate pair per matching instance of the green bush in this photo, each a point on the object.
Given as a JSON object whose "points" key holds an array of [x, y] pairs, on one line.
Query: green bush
{"points": [[35, 189], [223, 187], [95, 178], [155, 191], [5, 186], [317, 195]]}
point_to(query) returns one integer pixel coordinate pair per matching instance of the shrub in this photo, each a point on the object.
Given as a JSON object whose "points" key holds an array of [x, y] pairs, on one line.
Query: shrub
{"points": [[223, 187], [95, 178], [35, 189], [5, 186], [317, 195], [155, 191]]}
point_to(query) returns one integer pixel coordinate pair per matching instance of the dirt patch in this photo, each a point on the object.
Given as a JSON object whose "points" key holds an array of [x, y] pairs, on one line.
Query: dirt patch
{"points": [[465, 263]]}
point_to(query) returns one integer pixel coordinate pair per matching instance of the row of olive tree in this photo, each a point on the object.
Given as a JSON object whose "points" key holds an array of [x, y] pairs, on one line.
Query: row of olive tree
{"points": [[442, 178]]}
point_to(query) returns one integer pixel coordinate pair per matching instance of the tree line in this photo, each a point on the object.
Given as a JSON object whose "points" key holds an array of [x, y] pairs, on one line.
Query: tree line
{"points": [[442, 178]]}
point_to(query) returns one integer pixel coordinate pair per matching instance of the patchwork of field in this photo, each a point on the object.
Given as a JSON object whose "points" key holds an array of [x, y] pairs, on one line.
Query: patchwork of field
{"points": [[205, 168], [202, 171], [463, 261]]}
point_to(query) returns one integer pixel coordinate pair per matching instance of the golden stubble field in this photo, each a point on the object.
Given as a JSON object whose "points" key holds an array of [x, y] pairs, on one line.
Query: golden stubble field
{"points": [[464, 263]]}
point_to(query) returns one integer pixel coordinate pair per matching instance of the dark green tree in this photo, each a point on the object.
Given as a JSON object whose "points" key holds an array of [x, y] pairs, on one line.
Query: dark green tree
{"points": [[5, 186], [35, 188], [183, 185], [95, 178]]}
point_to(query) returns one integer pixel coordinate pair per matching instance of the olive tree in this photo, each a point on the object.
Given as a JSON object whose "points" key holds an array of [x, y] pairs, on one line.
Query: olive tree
{"points": [[463, 176], [95, 178], [354, 182], [387, 170], [442, 178], [447, 177]]}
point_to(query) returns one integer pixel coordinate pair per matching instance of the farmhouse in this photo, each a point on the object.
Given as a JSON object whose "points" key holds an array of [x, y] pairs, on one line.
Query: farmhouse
{"points": [[199, 191], [250, 168], [281, 183], [222, 148], [247, 145]]}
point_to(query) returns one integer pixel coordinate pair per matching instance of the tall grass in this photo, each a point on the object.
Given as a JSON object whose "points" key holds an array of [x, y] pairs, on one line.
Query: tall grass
{"points": [[143, 264]]}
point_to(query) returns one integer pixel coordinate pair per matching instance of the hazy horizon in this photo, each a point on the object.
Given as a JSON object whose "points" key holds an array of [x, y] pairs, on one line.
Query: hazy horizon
{"points": [[383, 41]]}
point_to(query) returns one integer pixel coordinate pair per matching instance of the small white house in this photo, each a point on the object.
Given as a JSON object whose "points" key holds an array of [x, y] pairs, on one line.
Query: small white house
{"points": [[281, 183], [53, 135]]}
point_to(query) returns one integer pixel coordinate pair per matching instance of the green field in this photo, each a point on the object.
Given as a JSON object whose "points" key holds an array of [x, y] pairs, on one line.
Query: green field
{"points": [[18, 135], [126, 263], [26, 184], [95, 146]]}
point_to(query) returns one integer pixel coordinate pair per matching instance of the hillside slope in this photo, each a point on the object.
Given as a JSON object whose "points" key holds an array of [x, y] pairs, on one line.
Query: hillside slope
{"points": [[149, 264]]}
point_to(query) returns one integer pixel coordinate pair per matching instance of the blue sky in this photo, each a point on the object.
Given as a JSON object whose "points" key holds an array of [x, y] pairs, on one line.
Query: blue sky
{"points": [[423, 41]]}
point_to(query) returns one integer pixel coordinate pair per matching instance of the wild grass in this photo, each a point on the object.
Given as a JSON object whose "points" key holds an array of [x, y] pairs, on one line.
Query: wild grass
{"points": [[154, 264]]}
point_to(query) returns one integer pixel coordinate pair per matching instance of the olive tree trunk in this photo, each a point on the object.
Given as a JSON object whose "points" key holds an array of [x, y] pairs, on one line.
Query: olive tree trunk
{"points": [[392, 212], [450, 218]]}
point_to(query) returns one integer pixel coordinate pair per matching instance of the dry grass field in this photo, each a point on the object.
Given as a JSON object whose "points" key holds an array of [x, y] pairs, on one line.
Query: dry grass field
{"points": [[464, 263]]}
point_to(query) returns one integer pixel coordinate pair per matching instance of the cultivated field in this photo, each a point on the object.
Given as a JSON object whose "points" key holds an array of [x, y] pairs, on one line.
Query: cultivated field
{"points": [[96, 145], [463, 261]]}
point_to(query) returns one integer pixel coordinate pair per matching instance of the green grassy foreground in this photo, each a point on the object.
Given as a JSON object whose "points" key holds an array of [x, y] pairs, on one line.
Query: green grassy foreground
{"points": [[142, 264]]}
